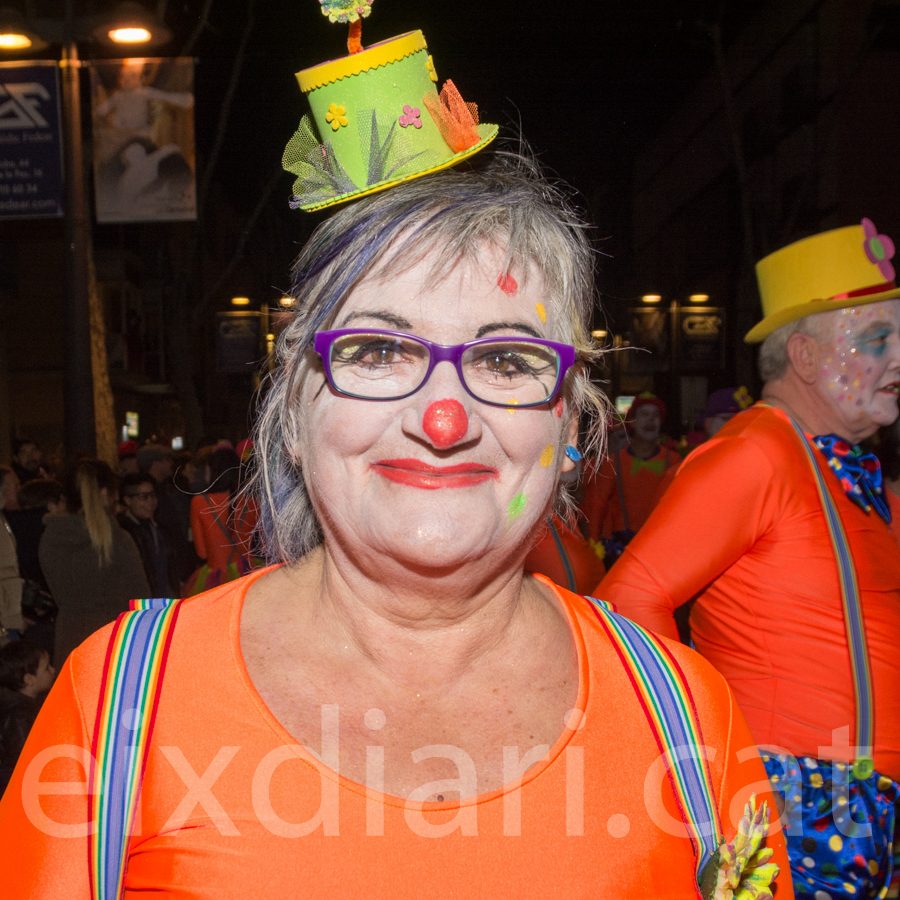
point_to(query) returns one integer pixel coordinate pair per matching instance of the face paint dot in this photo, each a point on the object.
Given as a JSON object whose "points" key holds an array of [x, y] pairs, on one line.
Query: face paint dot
{"points": [[445, 422], [508, 284], [558, 409], [514, 402], [542, 313], [547, 456], [517, 506]]}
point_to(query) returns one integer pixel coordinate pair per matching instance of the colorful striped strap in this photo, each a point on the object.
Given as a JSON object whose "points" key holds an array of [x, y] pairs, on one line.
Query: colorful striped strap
{"points": [[560, 547], [667, 702], [129, 694], [853, 617]]}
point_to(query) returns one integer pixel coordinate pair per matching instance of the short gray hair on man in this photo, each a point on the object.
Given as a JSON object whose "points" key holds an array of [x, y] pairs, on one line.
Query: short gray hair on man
{"points": [[773, 356], [506, 203]]}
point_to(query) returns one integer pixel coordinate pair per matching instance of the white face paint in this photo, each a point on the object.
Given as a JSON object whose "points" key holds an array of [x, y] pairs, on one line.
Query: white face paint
{"points": [[376, 476], [860, 367], [647, 422]]}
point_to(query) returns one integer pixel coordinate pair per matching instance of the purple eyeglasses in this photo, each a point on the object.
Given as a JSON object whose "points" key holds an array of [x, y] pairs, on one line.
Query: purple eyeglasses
{"points": [[370, 364]]}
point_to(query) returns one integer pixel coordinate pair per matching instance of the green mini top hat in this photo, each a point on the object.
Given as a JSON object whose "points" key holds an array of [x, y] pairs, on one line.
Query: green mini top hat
{"points": [[377, 118], [833, 270]]}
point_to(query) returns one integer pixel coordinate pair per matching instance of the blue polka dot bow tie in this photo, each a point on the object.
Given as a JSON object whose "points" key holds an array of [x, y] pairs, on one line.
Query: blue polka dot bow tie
{"points": [[858, 472]]}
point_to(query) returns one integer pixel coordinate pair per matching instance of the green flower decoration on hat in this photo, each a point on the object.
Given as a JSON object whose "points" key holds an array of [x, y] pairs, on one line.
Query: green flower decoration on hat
{"points": [[346, 10]]}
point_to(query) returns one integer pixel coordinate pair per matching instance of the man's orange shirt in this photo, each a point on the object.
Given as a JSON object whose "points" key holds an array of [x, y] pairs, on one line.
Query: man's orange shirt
{"points": [[642, 487], [742, 530], [233, 807]]}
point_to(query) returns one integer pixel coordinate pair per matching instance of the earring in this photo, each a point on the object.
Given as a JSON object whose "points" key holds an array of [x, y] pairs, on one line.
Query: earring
{"points": [[573, 454]]}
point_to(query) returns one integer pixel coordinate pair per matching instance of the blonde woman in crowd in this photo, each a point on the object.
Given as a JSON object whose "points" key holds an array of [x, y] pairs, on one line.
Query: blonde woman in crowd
{"points": [[92, 566]]}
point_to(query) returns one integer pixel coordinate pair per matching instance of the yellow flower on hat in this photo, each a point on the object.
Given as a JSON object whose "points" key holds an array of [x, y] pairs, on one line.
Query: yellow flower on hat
{"points": [[336, 115], [745, 872]]}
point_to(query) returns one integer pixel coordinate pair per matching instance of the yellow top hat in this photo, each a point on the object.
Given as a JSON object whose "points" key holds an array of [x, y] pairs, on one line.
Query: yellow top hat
{"points": [[833, 270]]}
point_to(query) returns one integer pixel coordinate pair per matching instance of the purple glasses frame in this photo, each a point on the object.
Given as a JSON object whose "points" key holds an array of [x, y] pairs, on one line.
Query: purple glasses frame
{"points": [[324, 340]]}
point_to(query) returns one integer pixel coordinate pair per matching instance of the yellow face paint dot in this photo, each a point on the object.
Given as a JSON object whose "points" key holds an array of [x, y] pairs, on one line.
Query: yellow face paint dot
{"points": [[542, 313], [512, 402], [547, 456]]}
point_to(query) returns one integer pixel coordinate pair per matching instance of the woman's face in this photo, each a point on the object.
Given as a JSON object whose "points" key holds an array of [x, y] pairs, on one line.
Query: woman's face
{"points": [[490, 474]]}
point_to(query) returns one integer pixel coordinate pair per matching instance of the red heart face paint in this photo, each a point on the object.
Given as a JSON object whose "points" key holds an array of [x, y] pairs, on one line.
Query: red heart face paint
{"points": [[445, 422], [508, 284]]}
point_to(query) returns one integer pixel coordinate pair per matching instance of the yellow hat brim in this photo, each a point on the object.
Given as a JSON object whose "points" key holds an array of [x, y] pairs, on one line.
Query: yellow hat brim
{"points": [[791, 313], [486, 132]]}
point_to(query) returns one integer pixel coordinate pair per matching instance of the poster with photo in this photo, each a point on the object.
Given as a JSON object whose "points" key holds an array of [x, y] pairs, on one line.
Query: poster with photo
{"points": [[143, 127]]}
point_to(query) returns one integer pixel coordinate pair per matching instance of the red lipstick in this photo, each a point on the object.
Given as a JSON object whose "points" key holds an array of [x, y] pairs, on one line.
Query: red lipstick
{"points": [[415, 473]]}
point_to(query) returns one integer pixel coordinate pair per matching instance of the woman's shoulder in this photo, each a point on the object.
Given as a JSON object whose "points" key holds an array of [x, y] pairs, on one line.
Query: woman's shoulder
{"points": [[597, 620], [204, 623]]}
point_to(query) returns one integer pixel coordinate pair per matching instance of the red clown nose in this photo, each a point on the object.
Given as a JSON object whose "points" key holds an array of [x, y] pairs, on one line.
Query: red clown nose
{"points": [[445, 422]]}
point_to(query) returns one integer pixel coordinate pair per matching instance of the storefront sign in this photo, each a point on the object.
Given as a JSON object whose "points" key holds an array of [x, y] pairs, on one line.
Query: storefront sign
{"points": [[31, 181]]}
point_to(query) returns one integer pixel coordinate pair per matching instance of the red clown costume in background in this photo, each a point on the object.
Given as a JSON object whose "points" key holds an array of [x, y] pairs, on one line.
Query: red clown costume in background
{"points": [[637, 475]]}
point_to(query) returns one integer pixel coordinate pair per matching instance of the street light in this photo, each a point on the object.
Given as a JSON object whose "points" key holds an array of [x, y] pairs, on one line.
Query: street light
{"points": [[78, 393]]}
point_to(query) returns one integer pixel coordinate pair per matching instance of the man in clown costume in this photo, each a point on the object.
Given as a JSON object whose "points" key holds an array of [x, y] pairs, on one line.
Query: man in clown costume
{"points": [[778, 526]]}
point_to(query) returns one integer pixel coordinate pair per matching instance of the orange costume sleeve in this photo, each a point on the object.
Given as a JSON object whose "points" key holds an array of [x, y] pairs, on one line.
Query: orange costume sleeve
{"points": [[576, 565], [232, 806], [742, 530]]}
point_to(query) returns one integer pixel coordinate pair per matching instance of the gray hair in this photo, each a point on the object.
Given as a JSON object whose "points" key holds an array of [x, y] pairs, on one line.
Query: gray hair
{"points": [[508, 204], [773, 356]]}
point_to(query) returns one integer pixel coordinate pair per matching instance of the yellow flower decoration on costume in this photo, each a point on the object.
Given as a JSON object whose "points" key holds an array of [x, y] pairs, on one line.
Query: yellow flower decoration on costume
{"points": [[743, 398], [337, 116], [430, 66], [744, 871]]}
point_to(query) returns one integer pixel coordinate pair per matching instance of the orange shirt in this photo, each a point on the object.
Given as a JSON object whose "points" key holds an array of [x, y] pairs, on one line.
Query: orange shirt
{"points": [[580, 565], [642, 486], [742, 530], [217, 545], [584, 821]]}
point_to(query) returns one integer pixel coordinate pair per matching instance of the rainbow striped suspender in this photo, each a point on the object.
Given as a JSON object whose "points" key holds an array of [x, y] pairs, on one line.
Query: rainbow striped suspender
{"points": [[129, 695], [667, 702], [853, 618]]}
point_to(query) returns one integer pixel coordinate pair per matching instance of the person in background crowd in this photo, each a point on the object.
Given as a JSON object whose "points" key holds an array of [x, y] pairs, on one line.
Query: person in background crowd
{"points": [[11, 622], [92, 566], [9, 489], [128, 457], [26, 674], [138, 495], [566, 557], [621, 494], [721, 407], [222, 523], [156, 460], [37, 498], [779, 527], [26, 460]]}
